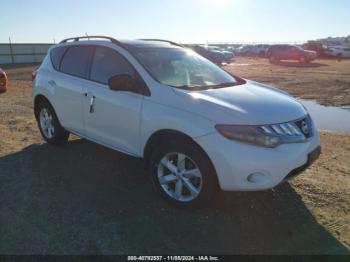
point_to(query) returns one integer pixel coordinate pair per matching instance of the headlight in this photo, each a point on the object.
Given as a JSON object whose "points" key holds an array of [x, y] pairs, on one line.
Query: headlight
{"points": [[249, 134], [297, 131]]}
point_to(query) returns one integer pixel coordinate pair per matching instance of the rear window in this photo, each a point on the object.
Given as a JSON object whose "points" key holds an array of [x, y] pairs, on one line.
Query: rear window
{"points": [[56, 56], [76, 61]]}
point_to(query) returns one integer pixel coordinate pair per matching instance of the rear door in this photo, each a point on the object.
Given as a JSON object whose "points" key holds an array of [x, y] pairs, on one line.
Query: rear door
{"points": [[112, 117], [68, 85]]}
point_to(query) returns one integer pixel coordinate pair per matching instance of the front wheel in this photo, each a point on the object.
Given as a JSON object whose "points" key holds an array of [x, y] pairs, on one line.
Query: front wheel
{"points": [[183, 174], [48, 124]]}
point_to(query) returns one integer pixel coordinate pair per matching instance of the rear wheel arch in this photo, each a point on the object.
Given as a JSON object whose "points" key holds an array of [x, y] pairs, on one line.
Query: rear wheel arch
{"points": [[38, 100], [41, 99], [48, 122]]}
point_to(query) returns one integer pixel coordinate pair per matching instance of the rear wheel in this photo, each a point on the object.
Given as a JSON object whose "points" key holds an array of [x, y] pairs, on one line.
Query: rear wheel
{"points": [[48, 124], [183, 174]]}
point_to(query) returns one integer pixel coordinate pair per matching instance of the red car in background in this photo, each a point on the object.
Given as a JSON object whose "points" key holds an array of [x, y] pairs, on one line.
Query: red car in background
{"points": [[276, 53], [3, 81]]}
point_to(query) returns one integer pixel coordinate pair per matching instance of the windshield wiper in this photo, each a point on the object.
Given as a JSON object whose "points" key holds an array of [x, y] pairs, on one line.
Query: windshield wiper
{"points": [[225, 84], [189, 87]]}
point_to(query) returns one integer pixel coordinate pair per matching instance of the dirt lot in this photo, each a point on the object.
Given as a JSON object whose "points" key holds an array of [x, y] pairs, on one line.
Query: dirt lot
{"points": [[327, 81], [85, 199]]}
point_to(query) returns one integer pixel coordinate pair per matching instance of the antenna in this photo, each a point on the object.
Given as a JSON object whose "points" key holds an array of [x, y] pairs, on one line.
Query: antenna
{"points": [[87, 35]]}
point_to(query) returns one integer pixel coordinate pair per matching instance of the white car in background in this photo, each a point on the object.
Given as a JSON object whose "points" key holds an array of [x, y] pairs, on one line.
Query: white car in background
{"points": [[197, 127], [253, 50], [338, 51], [227, 54]]}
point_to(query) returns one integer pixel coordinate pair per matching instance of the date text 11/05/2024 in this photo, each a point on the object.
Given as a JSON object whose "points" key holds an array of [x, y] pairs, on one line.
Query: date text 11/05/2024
{"points": [[173, 258]]}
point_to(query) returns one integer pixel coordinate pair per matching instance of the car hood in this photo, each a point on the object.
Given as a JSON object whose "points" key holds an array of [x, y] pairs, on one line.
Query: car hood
{"points": [[251, 103]]}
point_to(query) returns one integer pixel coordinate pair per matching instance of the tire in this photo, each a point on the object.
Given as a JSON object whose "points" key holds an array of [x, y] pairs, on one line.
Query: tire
{"points": [[49, 126], [197, 187]]}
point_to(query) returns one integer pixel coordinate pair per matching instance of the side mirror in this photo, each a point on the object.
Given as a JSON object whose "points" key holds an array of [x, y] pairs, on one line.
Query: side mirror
{"points": [[122, 82]]}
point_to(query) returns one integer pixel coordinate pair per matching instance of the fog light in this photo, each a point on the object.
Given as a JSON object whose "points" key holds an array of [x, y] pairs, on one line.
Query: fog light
{"points": [[257, 178]]}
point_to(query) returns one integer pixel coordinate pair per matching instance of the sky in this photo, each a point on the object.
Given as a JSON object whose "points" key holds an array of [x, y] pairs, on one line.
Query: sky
{"points": [[185, 21]]}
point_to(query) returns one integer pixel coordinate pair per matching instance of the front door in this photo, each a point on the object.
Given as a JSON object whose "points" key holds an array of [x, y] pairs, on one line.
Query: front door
{"points": [[111, 117]]}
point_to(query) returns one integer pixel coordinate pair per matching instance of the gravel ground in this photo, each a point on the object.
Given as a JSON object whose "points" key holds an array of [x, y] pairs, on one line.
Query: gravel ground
{"points": [[85, 199]]}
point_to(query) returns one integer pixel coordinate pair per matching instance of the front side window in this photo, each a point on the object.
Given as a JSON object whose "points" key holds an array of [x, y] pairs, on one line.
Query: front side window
{"points": [[183, 68], [107, 63], [76, 61]]}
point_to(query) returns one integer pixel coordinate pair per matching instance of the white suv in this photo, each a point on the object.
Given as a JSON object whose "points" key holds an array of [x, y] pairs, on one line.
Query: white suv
{"points": [[338, 51], [198, 128]]}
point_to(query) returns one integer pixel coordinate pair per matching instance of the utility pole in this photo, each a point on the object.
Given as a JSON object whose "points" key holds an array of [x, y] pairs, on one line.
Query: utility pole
{"points": [[11, 51]]}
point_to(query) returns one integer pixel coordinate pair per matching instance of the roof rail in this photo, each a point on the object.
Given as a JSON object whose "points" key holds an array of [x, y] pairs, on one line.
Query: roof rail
{"points": [[161, 40], [76, 39]]}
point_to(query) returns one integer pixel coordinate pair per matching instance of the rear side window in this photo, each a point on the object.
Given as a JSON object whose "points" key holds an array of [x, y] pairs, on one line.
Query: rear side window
{"points": [[108, 63], [56, 56], [76, 61]]}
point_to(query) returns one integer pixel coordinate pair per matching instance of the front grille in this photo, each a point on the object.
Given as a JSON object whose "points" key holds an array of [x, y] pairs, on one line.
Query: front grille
{"points": [[299, 129]]}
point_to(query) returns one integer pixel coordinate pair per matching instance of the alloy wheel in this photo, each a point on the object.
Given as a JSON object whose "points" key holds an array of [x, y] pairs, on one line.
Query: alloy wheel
{"points": [[46, 123], [179, 177]]}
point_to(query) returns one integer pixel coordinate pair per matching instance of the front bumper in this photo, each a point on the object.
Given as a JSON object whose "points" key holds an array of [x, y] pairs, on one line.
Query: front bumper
{"points": [[235, 163], [312, 157]]}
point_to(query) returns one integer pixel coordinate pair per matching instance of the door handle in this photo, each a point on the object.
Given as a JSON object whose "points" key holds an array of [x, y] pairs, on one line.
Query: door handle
{"points": [[92, 104]]}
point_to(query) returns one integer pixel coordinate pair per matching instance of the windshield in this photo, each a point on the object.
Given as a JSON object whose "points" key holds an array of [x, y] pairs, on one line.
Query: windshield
{"points": [[183, 68]]}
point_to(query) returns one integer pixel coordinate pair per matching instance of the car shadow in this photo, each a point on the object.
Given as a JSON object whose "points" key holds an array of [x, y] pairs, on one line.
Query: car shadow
{"points": [[85, 199], [298, 64]]}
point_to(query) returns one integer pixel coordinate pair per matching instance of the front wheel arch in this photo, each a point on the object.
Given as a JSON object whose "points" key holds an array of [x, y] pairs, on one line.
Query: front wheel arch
{"points": [[179, 143], [165, 135]]}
